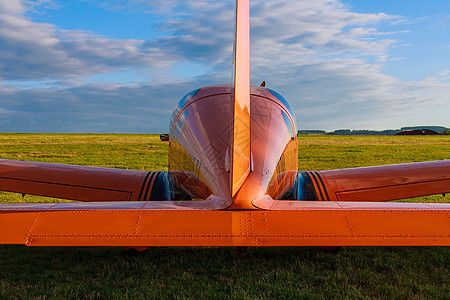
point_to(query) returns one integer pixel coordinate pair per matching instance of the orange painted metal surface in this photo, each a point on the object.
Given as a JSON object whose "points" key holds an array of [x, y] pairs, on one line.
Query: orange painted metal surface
{"points": [[241, 135], [274, 150], [74, 182], [310, 223], [200, 146], [383, 183], [231, 162]]}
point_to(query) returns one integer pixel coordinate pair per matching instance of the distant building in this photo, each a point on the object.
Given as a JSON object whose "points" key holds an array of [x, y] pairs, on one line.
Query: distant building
{"points": [[418, 132], [439, 129]]}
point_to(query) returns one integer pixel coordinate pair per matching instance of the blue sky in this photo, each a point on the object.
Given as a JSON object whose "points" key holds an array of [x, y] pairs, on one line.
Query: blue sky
{"points": [[121, 66]]}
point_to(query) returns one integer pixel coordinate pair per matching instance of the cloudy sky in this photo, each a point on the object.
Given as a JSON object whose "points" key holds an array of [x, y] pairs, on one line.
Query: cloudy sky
{"points": [[121, 66]]}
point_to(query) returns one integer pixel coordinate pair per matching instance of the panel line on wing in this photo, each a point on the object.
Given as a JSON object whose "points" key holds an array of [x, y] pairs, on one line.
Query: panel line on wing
{"points": [[63, 184], [400, 184], [311, 223]]}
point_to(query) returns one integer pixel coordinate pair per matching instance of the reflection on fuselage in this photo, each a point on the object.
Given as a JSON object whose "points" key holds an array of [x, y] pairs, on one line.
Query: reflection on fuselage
{"points": [[200, 149]]}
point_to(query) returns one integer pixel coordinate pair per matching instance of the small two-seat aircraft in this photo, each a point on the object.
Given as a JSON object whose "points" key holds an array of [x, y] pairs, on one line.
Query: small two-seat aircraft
{"points": [[233, 180]]}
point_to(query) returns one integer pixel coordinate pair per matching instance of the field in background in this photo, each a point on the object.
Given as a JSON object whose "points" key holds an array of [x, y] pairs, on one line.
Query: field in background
{"points": [[308, 272]]}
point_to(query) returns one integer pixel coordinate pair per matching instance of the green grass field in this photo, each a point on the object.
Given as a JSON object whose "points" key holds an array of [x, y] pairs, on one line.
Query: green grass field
{"points": [[161, 272]]}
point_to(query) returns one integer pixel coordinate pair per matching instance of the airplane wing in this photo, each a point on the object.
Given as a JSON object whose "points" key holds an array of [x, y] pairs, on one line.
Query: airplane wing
{"points": [[76, 182], [150, 223], [290, 223], [382, 183]]}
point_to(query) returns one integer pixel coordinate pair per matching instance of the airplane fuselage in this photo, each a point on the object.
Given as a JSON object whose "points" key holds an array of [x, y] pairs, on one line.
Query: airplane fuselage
{"points": [[201, 140]]}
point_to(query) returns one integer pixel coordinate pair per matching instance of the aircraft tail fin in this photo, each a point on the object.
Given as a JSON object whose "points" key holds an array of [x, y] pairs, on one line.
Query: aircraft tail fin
{"points": [[241, 97]]}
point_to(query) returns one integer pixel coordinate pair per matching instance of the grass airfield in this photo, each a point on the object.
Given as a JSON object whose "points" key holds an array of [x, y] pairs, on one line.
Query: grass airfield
{"points": [[211, 272]]}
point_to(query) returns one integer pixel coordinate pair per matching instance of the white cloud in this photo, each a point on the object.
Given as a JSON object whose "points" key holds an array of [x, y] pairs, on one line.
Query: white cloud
{"points": [[11, 7], [37, 51], [325, 58]]}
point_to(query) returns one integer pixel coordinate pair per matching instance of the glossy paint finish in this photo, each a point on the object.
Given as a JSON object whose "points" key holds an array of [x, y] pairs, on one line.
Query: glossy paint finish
{"points": [[383, 183], [232, 151], [274, 150], [201, 147], [75, 182], [240, 97], [304, 223]]}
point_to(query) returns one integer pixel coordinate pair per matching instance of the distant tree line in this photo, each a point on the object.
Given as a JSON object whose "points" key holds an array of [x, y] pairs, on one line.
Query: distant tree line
{"points": [[364, 132], [440, 129]]}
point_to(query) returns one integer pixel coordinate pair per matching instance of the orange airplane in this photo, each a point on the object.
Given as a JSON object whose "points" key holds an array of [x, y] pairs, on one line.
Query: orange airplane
{"points": [[233, 180]]}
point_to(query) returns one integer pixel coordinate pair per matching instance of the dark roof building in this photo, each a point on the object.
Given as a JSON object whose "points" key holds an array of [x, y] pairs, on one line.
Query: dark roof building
{"points": [[418, 132]]}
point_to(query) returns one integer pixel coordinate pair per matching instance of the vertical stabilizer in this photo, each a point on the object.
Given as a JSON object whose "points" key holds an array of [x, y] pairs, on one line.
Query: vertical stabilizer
{"points": [[241, 97]]}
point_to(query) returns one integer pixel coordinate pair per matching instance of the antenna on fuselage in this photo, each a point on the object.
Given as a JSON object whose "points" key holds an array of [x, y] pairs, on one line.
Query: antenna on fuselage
{"points": [[241, 98]]}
